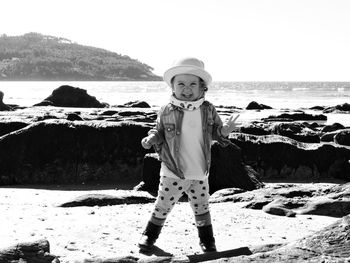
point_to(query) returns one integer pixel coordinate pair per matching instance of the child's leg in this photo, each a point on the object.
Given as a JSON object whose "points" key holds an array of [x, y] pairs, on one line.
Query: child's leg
{"points": [[198, 195], [169, 192]]}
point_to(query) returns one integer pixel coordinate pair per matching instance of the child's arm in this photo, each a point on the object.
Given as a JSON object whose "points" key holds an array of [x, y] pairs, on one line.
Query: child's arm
{"points": [[155, 135], [148, 141], [229, 125]]}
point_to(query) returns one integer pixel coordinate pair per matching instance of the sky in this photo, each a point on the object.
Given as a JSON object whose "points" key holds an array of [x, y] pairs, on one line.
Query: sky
{"points": [[238, 40]]}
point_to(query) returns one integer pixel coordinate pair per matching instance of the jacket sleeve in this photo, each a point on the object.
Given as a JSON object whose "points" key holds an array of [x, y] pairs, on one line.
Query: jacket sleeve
{"points": [[158, 131], [223, 141]]}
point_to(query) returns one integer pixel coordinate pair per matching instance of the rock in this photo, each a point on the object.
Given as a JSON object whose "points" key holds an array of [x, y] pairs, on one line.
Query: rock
{"points": [[60, 151], [137, 104], [326, 207], [296, 131], [256, 128], [338, 108], [7, 127], [334, 127], [277, 157], [328, 136], [68, 96], [37, 251], [300, 117], [343, 137], [317, 108], [74, 117], [227, 170], [124, 197], [278, 207], [3, 106], [330, 244], [256, 106]]}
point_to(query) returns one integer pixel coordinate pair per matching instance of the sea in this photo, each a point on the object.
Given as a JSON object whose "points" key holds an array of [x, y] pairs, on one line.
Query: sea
{"points": [[278, 95]]}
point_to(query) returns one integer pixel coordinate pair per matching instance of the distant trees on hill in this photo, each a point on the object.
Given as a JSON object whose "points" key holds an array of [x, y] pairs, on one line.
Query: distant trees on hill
{"points": [[34, 56]]}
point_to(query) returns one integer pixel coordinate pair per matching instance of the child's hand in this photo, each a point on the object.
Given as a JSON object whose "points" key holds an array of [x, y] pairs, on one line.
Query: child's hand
{"points": [[148, 141], [229, 125]]}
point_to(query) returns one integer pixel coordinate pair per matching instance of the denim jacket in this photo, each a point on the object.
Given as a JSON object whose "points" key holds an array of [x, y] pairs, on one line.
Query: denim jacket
{"points": [[168, 129]]}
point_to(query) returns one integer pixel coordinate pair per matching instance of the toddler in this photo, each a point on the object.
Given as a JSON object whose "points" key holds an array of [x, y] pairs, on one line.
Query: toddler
{"points": [[182, 137]]}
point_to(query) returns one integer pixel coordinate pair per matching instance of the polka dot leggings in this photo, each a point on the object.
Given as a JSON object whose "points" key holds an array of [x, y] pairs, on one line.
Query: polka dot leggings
{"points": [[170, 190]]}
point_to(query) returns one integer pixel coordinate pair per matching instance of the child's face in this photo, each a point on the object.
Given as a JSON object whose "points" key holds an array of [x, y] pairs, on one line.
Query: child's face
{"points": [[187, 87]]}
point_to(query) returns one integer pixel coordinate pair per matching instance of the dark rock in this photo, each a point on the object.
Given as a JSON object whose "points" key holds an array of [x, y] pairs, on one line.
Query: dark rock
{"points": [[37, 251], [328, 136], [127, 113], [137, 104], [74, 117], [343, 137], [330, 128], [109, 112], [296, 131], [227, 170], [256, 106], [3, 106], [338, 108], [129, 197], [317, 108], [68, 96], [60, 151], [277, 157], [255, 129], [300, 117], [7, 127]]}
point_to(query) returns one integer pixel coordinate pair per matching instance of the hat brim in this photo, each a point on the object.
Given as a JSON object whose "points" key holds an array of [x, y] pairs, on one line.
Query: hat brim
{"points": [[177, 70]]}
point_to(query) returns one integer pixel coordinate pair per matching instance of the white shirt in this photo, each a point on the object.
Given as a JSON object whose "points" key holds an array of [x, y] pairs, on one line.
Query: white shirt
{"points": [[191, 152]]}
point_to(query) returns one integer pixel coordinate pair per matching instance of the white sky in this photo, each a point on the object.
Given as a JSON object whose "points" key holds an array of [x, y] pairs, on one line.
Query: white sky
{"points": [[239, 40]]}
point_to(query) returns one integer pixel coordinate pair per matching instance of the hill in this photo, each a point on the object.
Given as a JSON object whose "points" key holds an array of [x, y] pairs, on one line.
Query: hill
{"points": [[34, 56]]}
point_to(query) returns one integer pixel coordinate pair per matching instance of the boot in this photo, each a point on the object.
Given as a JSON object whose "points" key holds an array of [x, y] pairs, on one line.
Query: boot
{"points": [[149, 237], [206, 238]]}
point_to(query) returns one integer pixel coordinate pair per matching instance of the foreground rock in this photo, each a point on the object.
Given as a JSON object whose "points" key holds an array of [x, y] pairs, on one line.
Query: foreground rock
{"points": [[122, 197], [227, 170], [60, 151], [38, 251], [292, 199], [68, 96]]}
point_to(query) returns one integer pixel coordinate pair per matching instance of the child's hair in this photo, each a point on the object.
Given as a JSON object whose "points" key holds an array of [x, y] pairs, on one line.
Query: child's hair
{"points": [[202, 83]]}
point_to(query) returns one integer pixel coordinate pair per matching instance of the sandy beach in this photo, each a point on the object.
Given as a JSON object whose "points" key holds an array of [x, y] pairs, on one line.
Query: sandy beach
{"points": [[79, 233]]}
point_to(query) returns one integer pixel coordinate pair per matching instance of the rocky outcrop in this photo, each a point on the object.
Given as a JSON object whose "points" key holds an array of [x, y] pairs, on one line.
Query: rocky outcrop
{"points": [[343, 137], [60, 151], [37, 251], [278, 157], [227, 170], [7, 127], [3, 106], [298, 116], [257, 106], [338, 108], [292, 199], [137, 104], [121, 197], [68, 96], [296, 131], [330, 244]]}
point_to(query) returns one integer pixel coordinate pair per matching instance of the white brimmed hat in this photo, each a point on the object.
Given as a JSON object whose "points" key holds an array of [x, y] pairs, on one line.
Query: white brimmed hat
{"points": [[188, 65]]}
